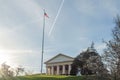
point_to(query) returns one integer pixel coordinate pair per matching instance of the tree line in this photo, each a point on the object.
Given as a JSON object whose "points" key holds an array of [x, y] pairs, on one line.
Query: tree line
{"points": [[9, 73]]}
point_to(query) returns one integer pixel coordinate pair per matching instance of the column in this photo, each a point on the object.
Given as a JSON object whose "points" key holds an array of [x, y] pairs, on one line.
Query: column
{"points": [[52, 70], [58, 70], [69, 69], [46, 70], [63, 71]]}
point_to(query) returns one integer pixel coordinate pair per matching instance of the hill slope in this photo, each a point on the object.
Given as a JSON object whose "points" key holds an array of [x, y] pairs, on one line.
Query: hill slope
{"points": [[44, 77]]}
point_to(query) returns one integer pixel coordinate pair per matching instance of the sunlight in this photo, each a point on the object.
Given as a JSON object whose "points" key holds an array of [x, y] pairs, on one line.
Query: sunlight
{"points": [[5, 57]]}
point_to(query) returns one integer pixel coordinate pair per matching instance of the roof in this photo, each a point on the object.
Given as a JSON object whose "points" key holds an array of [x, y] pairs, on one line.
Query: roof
{"points": [[58, 57]]}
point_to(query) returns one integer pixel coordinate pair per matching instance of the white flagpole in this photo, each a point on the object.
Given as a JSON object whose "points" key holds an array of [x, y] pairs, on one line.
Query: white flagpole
{"points": [[43, 41]]}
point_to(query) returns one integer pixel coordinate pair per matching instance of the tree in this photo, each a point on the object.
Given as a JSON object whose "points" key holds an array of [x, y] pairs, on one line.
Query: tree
{"points": [[19, 70], [9, 73], [6, 72], [88, 61], [112, 52]]}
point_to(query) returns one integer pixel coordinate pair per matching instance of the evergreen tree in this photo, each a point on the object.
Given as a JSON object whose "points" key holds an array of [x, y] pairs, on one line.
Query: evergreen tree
{"points": [[88, 61]]}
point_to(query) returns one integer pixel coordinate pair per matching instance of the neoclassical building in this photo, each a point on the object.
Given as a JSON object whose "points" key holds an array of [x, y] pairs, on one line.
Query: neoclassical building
{"points": [[59, 65]]}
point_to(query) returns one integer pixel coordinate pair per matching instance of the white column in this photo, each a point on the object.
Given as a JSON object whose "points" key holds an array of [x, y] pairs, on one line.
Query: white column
{"points": [[46, 70], [69, 69], [63, 71], [52, 70], [58, 70]]}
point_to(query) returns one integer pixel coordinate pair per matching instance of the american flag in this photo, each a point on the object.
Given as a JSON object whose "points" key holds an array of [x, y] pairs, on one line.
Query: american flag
{"points": [[45, 14]]}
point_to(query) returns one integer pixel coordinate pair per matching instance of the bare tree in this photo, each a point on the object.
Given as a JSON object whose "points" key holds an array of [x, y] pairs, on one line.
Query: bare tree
{"points": [[6, 72], [112, 52], [19, 70]]}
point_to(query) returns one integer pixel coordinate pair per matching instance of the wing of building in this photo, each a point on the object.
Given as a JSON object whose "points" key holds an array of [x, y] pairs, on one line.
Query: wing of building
{"points": [[59, 65]]}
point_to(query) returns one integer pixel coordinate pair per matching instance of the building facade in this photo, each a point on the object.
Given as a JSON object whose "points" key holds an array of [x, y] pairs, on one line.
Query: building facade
{"points": [[59, 65]]}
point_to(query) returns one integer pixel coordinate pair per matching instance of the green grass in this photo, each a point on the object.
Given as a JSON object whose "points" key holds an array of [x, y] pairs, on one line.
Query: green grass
{"points": [[45, 77]]}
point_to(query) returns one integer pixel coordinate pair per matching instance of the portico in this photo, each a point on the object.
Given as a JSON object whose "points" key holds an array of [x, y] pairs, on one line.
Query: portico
{"points": [[59, 65]]}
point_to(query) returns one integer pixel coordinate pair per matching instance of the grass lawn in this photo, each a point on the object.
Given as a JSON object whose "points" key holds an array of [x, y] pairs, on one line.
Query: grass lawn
{"points": [[45, 77]]}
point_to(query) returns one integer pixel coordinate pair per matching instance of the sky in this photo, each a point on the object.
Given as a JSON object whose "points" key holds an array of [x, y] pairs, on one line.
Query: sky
{"points": [[78, 23]]}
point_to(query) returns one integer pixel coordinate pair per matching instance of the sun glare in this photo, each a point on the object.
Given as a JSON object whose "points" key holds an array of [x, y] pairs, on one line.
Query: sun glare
{"points": [[5, 57]]}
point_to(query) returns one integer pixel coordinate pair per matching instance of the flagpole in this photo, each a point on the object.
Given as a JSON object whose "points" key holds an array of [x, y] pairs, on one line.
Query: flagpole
{"points": [[43, 41]]}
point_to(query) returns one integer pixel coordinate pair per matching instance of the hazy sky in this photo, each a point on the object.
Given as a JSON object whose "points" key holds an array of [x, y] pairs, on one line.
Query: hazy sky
{"points": [[79, 23]]}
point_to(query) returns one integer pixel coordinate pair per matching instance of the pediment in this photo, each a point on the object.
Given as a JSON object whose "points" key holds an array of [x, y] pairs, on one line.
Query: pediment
{"points": [[59, 58]]}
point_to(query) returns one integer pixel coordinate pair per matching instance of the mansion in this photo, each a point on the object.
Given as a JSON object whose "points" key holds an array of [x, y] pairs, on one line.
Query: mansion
{"points": [[59, 65]]}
